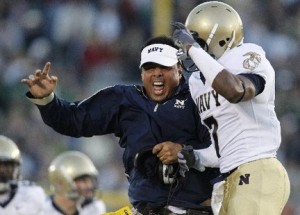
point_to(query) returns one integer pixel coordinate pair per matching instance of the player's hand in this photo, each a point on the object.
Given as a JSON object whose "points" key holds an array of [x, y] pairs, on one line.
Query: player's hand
{"points": [[167, 151], [41, 84], [186, 159], [181, 55], [183, 37]]}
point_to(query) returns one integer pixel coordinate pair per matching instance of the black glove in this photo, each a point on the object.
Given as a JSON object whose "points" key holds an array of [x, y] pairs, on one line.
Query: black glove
{"points": [[186, 159], [145, 163]]}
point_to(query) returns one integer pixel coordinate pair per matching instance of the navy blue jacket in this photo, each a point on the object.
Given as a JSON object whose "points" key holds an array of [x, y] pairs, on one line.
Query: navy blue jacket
{"points": [[140, 123]]}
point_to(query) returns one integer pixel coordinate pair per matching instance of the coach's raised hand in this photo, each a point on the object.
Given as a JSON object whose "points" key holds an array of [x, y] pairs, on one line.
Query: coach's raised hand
{"points": [[41, 84]]}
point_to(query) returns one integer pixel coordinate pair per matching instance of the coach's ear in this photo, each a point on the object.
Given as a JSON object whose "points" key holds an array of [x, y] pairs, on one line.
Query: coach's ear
{"points": [[180, 69], [142, 75]]}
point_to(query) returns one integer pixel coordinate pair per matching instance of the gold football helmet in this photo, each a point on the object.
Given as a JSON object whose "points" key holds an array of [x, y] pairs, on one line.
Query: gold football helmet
{"points": [[66, 168], [218, 24], [10, 160]]}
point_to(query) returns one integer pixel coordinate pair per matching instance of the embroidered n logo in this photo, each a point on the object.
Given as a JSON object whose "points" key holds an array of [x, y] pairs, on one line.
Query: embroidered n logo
{"points": [[244, 179], [179, 104]]}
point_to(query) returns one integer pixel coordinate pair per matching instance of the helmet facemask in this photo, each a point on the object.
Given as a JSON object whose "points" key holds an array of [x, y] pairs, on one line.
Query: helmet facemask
{"points": [[187, 63], [10, 161], [86, 187], [9, 174]]}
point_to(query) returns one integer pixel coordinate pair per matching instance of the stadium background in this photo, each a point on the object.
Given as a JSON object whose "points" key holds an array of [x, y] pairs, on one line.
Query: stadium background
{"points": [[94, 44]]}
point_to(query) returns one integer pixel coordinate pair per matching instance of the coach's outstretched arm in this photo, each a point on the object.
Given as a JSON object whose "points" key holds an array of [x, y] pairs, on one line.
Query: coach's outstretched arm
{"points": [[41, 84]]}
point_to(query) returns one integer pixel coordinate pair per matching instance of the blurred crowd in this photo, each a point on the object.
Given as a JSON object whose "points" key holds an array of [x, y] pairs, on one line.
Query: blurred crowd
{"points": [[94, 44]]}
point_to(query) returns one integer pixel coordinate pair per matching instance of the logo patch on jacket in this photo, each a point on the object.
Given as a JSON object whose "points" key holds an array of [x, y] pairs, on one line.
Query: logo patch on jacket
{"points": [[179, 104]]}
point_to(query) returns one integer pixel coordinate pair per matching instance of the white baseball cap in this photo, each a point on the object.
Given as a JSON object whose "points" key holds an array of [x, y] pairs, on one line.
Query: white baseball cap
{"points": [[161, 54]]}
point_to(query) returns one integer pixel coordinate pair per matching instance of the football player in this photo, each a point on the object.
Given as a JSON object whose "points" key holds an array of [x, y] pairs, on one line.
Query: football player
{"points": [[234, 89], [73, 182], [17, 196]]}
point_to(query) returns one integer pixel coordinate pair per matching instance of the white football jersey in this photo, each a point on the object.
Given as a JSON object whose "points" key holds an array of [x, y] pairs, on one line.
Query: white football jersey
{"points": [[96, 207], [29, 198], [248, 130]]}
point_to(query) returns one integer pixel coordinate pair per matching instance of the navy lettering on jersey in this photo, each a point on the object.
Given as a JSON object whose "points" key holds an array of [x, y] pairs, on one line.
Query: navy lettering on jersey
{"points": [[155, 49], [244, 179], [203, 101]]}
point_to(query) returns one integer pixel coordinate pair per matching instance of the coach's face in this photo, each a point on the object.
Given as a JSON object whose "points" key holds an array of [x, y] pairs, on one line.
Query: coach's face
{"points": [[160, 81]]}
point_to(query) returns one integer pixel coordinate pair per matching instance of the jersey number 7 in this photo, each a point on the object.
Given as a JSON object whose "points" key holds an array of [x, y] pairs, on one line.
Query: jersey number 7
{"points": [[212, 124]]}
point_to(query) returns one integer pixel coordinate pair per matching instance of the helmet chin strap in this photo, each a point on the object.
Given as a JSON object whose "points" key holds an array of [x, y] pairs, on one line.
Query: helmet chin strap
{"points": [[79, 203], [76, 196], [73, 195]]}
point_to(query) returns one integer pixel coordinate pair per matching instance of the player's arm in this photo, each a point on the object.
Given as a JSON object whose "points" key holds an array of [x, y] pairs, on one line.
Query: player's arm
{"points": [[234, 88]]}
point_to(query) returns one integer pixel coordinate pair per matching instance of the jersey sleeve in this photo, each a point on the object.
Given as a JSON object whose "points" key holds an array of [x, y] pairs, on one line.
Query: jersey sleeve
{"points": [[247, 58], [206, 157]]}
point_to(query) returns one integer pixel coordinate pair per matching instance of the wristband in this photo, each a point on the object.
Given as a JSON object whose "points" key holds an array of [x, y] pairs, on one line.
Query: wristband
{"points": [[198, 164], [41, 101], [205, 63]]}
